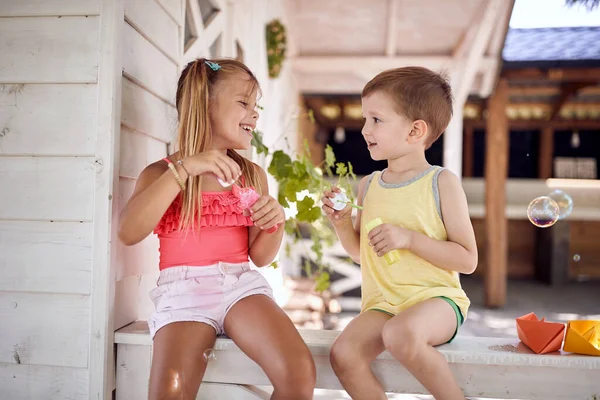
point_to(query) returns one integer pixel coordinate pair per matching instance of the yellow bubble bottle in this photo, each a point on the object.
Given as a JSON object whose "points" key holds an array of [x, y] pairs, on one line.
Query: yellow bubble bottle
{"points": [[391, 257]]}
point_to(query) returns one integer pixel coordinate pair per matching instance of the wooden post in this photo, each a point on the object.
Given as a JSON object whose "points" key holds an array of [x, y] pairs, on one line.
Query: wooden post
{"points": [[496, 170], [546, 152], [468, 150]]}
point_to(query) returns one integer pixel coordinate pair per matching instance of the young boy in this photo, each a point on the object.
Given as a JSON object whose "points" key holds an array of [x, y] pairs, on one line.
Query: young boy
{"points": [[413, 301]]}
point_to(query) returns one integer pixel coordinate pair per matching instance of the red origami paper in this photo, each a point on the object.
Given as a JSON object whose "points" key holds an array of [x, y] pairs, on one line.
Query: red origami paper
{"points": [[539, 335]]}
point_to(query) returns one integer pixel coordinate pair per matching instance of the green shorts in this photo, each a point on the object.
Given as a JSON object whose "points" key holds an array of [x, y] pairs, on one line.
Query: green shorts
{"points": [[459, 316]]}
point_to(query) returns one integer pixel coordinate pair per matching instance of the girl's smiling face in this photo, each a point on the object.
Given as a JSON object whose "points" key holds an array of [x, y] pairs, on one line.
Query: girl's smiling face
{"points": [[233, 113]]}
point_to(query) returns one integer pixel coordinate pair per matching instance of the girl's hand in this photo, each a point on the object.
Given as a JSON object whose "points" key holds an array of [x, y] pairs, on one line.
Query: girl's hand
{"points": [[387, 237], [335, 216], [213, 161], [267, 213]]}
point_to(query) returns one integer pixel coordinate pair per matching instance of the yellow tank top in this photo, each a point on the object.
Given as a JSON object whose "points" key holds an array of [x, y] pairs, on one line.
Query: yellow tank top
{"points": [[414, 205]]}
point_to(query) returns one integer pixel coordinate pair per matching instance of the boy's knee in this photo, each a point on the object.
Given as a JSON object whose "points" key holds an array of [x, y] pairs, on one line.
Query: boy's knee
{"points": [[402, 340], [342, 356]]}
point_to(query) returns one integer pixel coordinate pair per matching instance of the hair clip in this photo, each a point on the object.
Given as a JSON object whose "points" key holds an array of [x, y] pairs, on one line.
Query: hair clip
{"points": [[213, 65]]}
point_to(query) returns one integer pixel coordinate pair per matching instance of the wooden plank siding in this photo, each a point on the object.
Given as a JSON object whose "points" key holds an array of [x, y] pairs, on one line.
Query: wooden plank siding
{"points": [[41, 49], [48, 119], [47, 188], [42, 382], [149, 18], [44, 329], [46, 257], [146, 65], [151, 63], [55, 8], [48, 171]]}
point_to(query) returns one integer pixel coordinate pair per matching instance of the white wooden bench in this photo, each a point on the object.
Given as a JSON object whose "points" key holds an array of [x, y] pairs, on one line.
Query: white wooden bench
{"points": [[484, 367]]}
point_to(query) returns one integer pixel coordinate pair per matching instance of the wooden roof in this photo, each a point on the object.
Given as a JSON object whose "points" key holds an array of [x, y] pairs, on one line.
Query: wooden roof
{"points": [[336, 46]]}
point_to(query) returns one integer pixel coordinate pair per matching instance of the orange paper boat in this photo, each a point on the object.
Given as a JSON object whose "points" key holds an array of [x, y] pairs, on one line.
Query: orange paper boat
{"points": [[583, 337], [539, 335]]}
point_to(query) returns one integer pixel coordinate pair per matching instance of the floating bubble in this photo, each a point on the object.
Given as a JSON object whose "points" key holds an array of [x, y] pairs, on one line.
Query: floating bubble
{"points": [[209, 355], [576, 257], [543, 212], [564, 201]]}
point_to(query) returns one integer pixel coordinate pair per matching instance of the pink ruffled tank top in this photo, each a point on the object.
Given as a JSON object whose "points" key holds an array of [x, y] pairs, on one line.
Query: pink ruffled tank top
{"points": [[223, 233]]}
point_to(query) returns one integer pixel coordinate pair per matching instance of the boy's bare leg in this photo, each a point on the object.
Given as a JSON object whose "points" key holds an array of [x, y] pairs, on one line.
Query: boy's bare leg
{"points": [[354, 350], [410, 337]]}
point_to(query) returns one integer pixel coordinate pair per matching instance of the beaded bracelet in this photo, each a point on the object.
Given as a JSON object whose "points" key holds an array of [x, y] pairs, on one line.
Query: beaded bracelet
{"points": [[175, 173], [180, 162]]}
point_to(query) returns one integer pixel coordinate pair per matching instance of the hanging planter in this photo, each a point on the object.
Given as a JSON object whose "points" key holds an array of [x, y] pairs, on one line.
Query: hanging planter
{"points": [[276, 46]]}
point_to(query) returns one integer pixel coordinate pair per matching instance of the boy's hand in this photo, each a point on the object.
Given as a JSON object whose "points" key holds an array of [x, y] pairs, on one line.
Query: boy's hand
{"points": [[336, 217], [267, 212], [387, 237]]}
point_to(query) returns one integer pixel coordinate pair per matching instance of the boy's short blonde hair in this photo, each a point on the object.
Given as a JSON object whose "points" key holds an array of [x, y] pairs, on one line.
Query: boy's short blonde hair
{"points": [[419, 93]]}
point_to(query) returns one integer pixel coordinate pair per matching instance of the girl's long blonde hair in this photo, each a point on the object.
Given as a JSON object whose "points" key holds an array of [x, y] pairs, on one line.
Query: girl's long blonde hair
{"points": [[195, 91]]}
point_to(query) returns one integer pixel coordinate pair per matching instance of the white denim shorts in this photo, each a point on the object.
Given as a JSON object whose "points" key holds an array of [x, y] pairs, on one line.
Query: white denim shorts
{"points": [[203, 294]]}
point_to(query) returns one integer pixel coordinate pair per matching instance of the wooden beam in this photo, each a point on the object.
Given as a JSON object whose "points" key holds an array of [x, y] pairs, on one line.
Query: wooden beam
{"points": [[539, 124], [472, 49], [337, 64], [496, 171], [349, 74], [568, 91], [499, 34], [525, 91], [554, 74], [468, 152], [546, 152], [391, 42]]}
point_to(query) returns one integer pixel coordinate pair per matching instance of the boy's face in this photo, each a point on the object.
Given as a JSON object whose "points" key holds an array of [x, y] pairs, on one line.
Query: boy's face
{"points": [[388, 134]]}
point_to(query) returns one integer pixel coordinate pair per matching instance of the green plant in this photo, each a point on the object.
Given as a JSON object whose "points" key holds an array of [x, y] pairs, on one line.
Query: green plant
{"points": [[276, 46], [300, 185]]}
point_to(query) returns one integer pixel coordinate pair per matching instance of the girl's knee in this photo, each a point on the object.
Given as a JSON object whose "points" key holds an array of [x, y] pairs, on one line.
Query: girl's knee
{"points": [[296, 379], [402, 340]]}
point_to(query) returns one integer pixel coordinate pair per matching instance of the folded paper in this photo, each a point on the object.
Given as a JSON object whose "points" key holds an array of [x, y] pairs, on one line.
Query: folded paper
{"points": [[540, 336], [583, 337]]}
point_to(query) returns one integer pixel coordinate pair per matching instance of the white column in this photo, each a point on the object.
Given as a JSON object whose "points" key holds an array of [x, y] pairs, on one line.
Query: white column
{"points": [[453, 142]]}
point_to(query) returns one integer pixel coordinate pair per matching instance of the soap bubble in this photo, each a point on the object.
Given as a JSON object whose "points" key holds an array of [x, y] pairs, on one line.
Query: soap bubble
{"points": [[564, 201], [340, 201], [576, 257], [543, 212], [209, 355]]}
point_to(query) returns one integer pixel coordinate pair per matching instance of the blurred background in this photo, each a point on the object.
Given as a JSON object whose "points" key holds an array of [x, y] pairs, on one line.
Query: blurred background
{"points": [[87, 102]]}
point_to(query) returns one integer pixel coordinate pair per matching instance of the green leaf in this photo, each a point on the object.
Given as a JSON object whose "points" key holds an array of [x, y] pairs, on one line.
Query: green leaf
{"points": [[280, 166], [341, 169], [329, 156], [282, 200], [322, 282], [307, 268], [274, 264], [290, 188], [351, 171], [300, 169], [306, 210], [311, 116], [257, 142], [287, 248]]}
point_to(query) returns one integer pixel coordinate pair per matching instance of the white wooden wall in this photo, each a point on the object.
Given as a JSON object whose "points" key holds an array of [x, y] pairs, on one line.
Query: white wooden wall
{"points": [[87, 93], [50, 167], [152, 53]]}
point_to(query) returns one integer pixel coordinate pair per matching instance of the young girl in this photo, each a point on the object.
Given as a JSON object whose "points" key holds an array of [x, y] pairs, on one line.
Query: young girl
{"points": [[206, 287], [411, 295]]}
